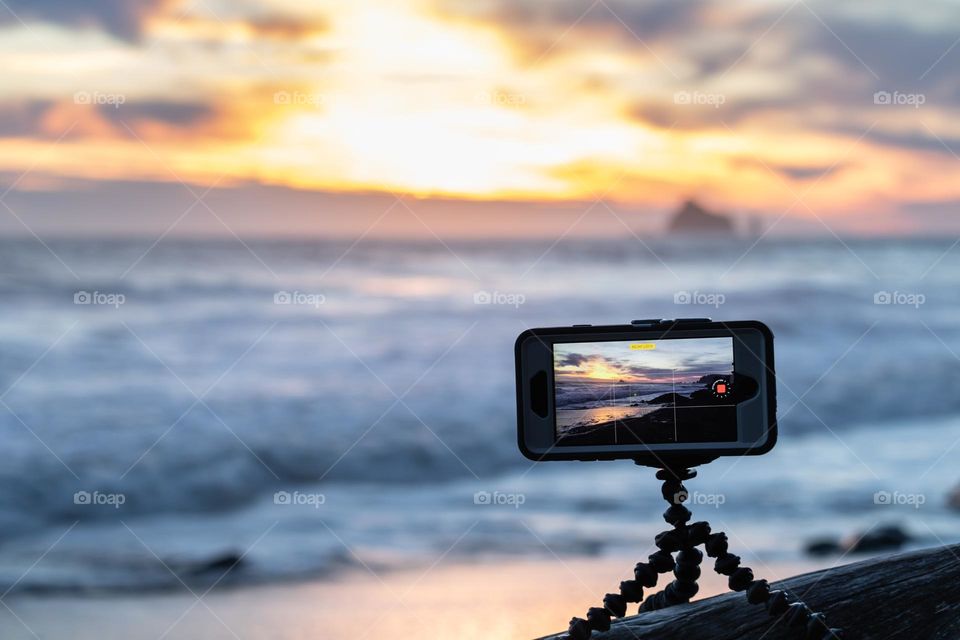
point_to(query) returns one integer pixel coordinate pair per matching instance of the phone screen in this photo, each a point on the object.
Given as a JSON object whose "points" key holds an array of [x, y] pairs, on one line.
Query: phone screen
{"points": [[647, 392]]}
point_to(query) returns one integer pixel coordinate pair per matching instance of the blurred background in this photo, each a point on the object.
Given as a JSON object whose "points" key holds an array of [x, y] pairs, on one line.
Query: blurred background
{"points": [[263, 263]]}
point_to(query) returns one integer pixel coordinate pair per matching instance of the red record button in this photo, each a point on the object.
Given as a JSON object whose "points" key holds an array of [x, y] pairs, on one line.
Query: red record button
{"points": [[721, 388]]}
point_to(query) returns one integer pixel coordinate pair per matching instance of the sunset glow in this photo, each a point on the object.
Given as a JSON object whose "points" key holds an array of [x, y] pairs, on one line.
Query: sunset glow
{"points": [[662, 361], [768, 114]]}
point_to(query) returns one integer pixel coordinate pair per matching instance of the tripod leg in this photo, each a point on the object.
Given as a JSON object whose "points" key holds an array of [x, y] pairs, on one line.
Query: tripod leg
{"points": [[683, 540], [615, 605], [795, 614], [646, 573]]}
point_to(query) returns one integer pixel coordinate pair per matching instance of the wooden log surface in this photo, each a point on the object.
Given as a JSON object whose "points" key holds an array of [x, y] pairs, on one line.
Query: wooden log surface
{"points": [[912, 595]]}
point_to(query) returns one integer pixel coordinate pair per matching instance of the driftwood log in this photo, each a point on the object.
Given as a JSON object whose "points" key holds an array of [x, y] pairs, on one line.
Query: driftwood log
{"points": [[912, 595]]}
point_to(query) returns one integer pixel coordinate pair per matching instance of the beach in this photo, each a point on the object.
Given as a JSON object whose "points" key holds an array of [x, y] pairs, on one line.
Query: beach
{"points": [[476, 601]]}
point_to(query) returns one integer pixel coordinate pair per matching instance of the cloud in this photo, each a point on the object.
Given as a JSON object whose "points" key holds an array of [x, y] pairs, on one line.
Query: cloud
{"points": [[126, 18], [575, 360], [598, 113], [780, 64], [22, 118], [919, 139], [898, 52], [897, 43], [52, 120], [286, 27], [48, 119], [184, 114], [123, 18], [655, 20], [794, 172], [647, 371]]}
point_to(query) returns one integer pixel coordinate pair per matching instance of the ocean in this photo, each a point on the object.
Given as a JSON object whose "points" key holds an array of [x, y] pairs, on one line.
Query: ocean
{"points": [[298, 408]]}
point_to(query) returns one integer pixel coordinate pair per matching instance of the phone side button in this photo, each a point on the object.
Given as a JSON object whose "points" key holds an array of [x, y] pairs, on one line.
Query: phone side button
{"points": [[582, 325], [538, 393]]}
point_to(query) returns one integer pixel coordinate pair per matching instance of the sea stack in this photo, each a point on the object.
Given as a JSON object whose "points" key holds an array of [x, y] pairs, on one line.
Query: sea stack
{"points": [[691, 218]]}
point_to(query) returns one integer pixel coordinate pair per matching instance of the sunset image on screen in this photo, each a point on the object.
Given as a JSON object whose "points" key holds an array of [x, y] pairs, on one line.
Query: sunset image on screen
{"points": [[621, 392]]}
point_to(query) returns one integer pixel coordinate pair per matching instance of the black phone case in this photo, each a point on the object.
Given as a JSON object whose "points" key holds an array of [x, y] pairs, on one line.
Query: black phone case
{"points": [[661, 458]]}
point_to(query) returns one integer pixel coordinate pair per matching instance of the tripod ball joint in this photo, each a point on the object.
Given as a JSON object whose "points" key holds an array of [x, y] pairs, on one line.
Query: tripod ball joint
{"points": [[646, 574], [675, 474], [579, 629], [615, 604], [668, 541], [758, 592], [599, 618], [683, 589], [690, 555], [677, 515], [816, 627], [632, 590], [673, 491], [654, 602], [716, 544], [686, 571], [675, 593], [661, 561], [740, 579], [797, 614], [698, 533], [777, 603], [726, 564]]}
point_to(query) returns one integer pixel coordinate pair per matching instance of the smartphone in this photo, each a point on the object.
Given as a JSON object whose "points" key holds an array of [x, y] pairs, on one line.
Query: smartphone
{"points": [[655, 391]]}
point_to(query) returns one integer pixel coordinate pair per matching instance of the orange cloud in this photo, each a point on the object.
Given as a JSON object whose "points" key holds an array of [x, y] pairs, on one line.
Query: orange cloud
{"points": [[382, 95]]}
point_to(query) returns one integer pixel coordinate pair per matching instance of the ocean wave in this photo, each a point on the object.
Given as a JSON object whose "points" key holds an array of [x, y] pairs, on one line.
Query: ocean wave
{"points": [[200, 396]]}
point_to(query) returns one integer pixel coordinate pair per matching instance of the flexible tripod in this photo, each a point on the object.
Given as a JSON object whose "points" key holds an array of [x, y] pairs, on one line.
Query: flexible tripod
{"points": [[683, 540]]}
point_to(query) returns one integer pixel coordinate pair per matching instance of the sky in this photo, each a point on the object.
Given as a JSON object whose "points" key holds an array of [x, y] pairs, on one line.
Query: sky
{"points": [[318, 116], [659, 361]]}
